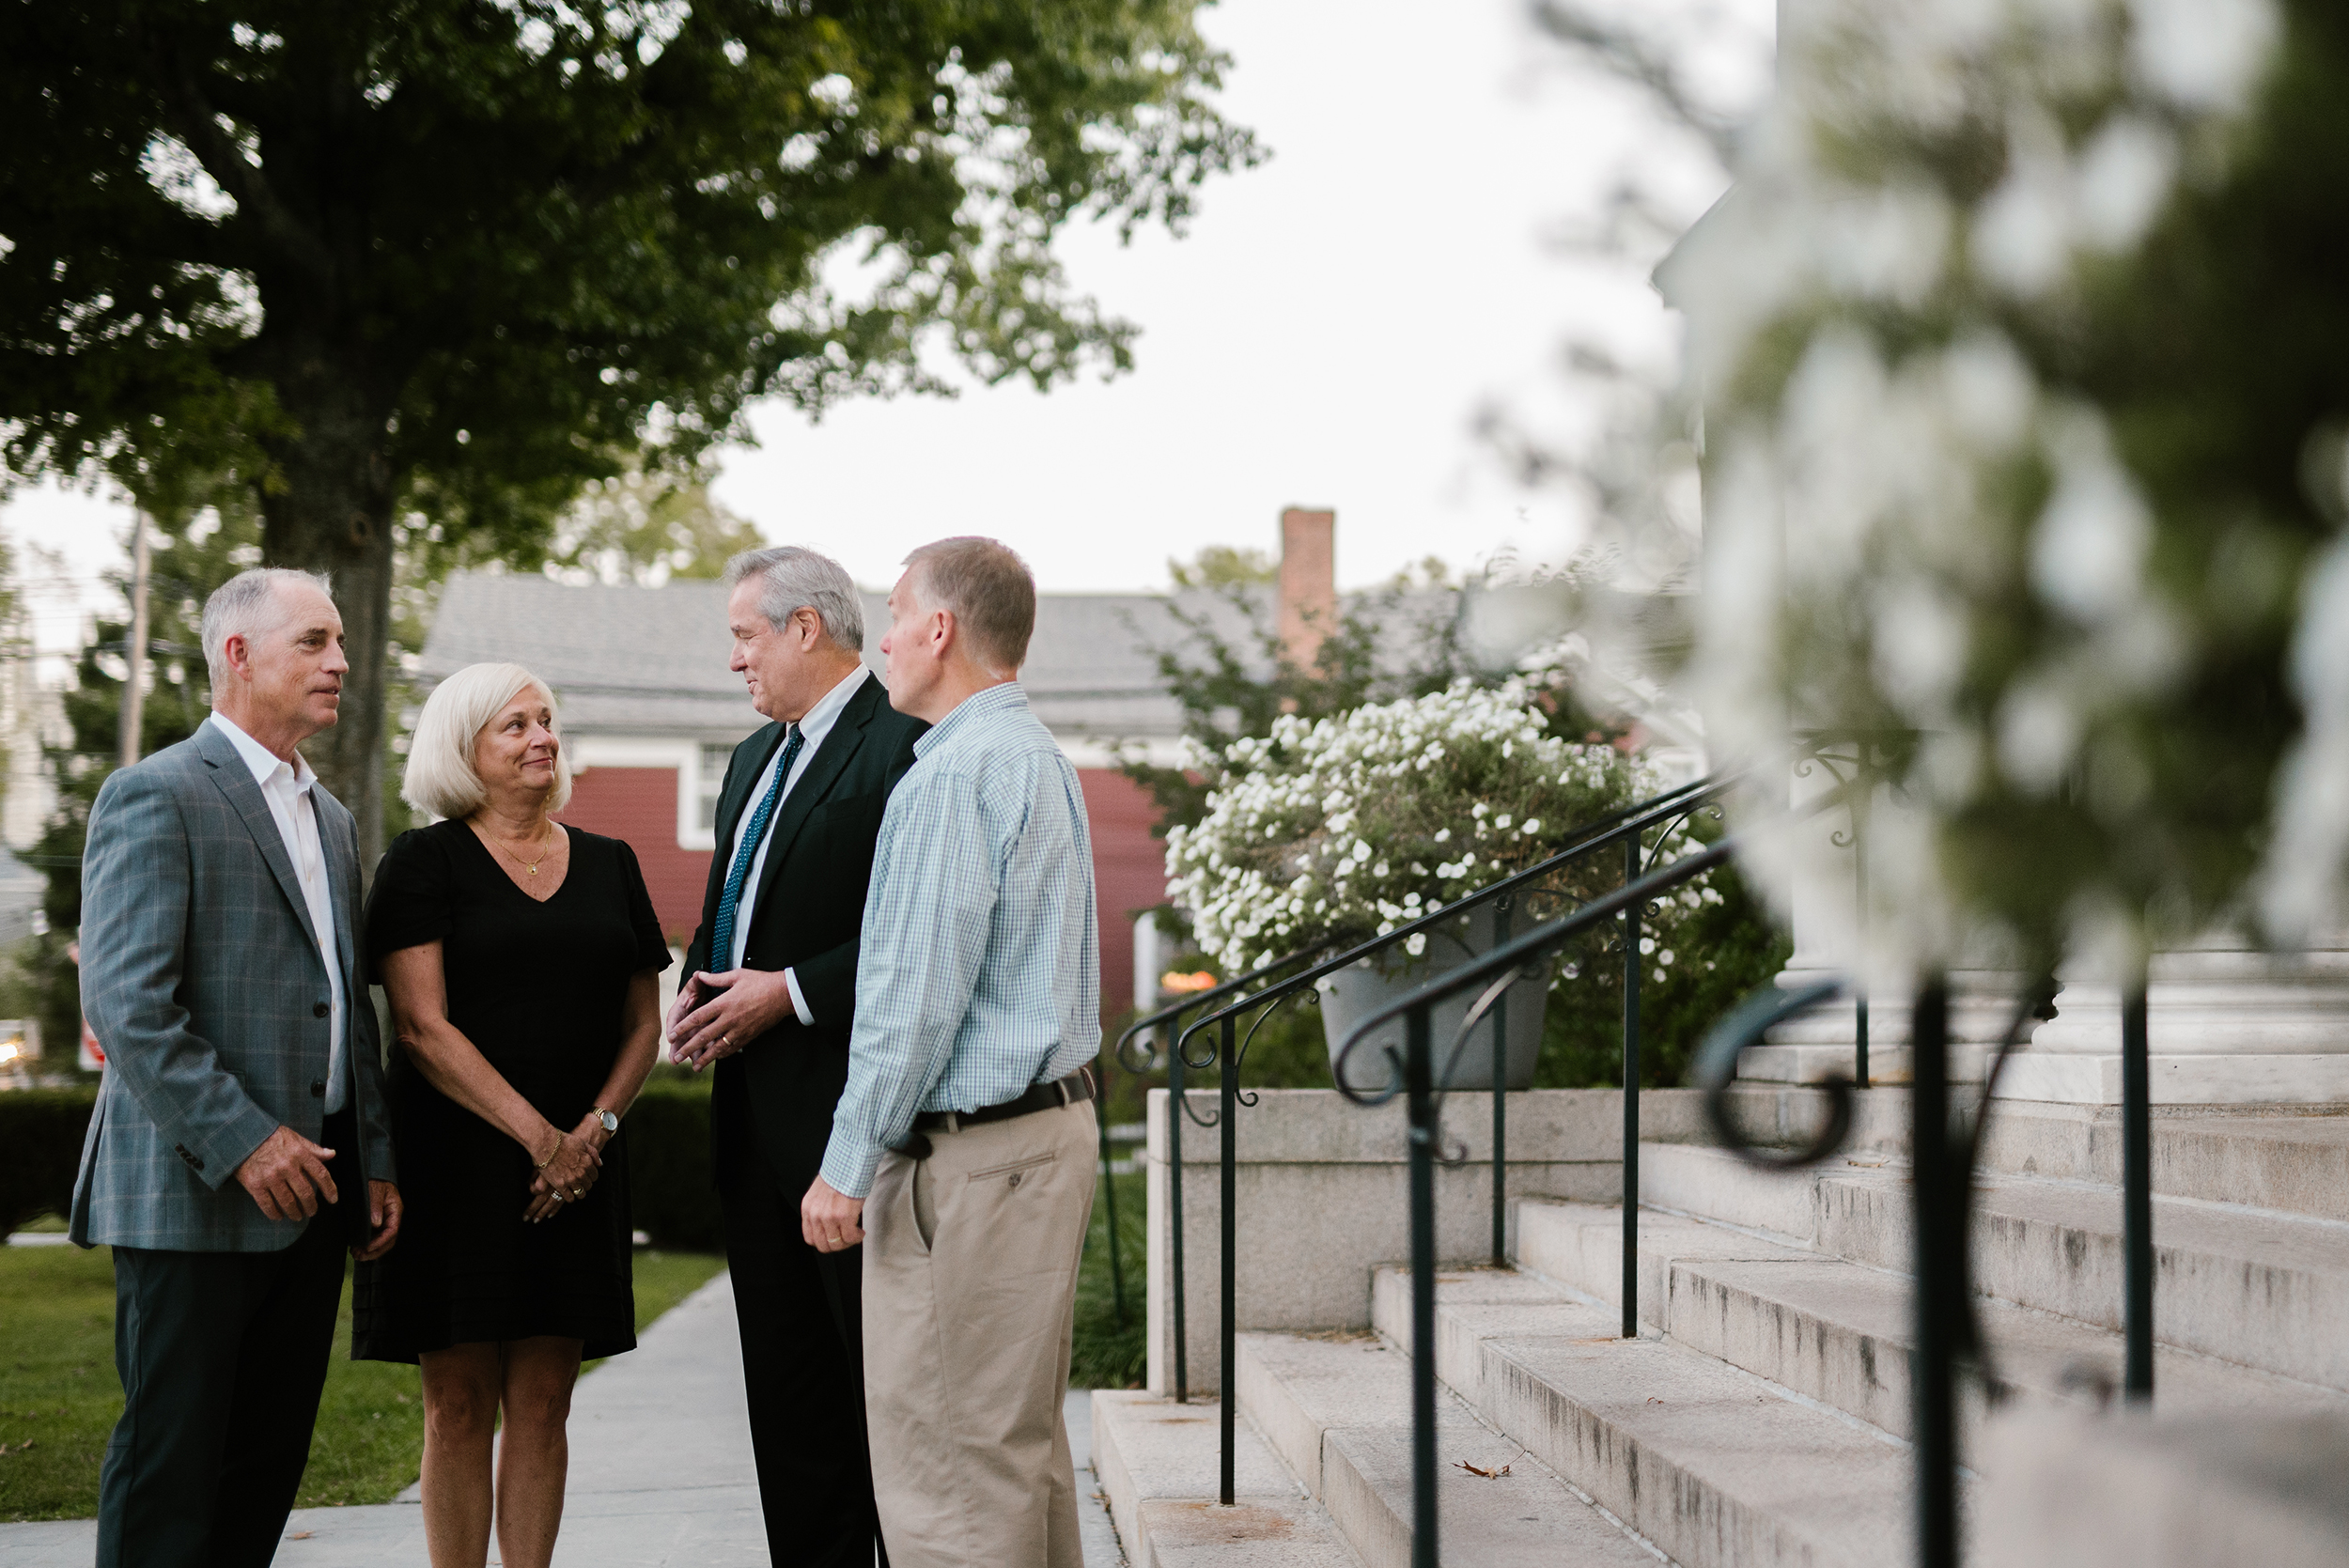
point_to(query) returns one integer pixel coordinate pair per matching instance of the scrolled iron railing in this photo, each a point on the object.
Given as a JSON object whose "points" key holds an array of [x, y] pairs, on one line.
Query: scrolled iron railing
{"points": [[1178, 1110], [1661, 816], [1945, 1152], [1412, 1076]]}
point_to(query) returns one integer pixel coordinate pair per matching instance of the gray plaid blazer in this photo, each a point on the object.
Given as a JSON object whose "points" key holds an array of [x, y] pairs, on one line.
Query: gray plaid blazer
{"points": [[207, 991]]}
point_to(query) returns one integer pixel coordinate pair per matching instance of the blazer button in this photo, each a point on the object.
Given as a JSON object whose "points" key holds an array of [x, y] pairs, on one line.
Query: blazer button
{"points": [[318, 1089], [318, 1009]]}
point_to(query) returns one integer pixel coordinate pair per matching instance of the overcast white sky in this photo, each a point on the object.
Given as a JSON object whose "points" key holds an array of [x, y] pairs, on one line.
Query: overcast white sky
{"points": [[1323, 335]]}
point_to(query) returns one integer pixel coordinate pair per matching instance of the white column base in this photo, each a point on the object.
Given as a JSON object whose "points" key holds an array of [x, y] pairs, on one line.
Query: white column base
{"points": [[1823, 1043], [2229, 1079], [2225, 1024]]}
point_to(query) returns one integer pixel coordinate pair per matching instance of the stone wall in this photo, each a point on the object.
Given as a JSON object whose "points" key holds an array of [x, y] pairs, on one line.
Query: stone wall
{"points": [[1321, 1187]]}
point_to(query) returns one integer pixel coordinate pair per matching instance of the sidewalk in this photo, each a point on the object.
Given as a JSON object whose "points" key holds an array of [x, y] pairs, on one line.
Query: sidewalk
{"points": [[660, 1472]]}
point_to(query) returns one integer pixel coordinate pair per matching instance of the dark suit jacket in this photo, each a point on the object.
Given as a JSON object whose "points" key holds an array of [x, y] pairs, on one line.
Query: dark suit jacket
{"points": [[809, 909]]}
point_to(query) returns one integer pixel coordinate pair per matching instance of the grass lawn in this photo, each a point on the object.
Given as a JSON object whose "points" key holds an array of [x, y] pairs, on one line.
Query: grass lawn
{"points": [[59, 1397], [1108, 1354]]}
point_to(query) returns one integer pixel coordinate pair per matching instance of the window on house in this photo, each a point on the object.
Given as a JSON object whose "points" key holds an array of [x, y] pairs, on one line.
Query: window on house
{"points": [[713, 774]]}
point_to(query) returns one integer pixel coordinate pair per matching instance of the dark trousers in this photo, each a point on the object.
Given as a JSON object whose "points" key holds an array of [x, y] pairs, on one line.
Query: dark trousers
{"points": [[801, 1315], [222, 1356]]}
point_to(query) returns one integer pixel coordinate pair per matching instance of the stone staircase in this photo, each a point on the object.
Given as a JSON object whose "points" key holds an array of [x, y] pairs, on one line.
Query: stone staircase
{"points": [[1761, 1418]]}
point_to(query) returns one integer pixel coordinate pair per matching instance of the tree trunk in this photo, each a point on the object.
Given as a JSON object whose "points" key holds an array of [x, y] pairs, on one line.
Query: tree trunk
{"points": [[333, 515]]}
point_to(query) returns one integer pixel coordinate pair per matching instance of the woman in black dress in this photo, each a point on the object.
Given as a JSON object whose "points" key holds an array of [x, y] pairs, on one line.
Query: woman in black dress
{"points": [[521, 961]]}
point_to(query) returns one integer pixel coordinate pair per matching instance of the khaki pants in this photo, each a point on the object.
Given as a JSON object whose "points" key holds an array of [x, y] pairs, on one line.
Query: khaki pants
{"points": [[969, 1297]]}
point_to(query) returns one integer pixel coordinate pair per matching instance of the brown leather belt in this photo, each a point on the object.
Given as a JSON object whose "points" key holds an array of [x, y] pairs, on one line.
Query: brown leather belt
{"points": [[1077, 1087]]}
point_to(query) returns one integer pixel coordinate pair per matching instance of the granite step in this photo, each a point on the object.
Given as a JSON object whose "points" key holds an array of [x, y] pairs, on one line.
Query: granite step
{"points": [[1714, 1467], [1337, 1409], [2254, 1287], [1839, 1332], [1159, 1464], [2292, 1160], [2259, 1287]]}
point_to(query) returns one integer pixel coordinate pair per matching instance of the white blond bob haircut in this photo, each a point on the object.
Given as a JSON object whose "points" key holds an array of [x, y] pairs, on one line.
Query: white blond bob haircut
{"points": [[441, 776]]}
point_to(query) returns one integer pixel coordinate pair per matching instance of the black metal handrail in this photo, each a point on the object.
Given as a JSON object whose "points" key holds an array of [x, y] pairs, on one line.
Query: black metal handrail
{"points": [[1945, 1324], [1413, 1076], [1177, 1107], [1627, 826]]}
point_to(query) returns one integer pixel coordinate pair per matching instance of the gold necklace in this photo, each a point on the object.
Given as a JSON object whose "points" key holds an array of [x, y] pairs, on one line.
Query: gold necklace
{"points": [[529, 868]]}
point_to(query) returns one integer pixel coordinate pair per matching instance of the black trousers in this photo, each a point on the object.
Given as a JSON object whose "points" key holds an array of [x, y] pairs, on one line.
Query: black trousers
{"points": [[801, 1315], [222, 1356]]}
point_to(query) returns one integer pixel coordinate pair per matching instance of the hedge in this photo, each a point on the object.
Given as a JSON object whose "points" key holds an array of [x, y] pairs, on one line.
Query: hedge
{"points": [[668, 1152], [40, 1150], [670, 1188]]}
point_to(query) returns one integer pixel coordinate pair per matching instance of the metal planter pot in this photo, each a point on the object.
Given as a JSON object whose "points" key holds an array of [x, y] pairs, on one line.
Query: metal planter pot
{"points": [[1360, 989]]}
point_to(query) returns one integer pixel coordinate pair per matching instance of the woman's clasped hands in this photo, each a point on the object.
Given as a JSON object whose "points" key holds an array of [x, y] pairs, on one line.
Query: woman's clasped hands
{"points": [[567, 1167]]}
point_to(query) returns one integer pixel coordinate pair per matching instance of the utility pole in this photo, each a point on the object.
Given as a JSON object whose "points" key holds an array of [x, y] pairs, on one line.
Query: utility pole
{"points": [[134, 650]]}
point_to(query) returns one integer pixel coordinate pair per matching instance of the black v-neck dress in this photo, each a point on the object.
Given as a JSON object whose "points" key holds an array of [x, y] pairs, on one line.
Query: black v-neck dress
{"points": [[538, 989]]}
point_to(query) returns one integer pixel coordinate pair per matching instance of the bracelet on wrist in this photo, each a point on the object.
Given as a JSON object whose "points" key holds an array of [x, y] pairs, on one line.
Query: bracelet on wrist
{"points": [[553, 1154]]}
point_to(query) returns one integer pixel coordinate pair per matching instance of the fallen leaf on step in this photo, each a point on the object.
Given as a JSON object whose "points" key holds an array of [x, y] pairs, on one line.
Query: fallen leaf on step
{"points": [[1479, 1469], [1653, 1400], [301, 1535]]}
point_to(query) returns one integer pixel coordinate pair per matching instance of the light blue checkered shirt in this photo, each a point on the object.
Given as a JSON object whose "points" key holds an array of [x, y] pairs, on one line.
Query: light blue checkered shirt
{"points": [[979, 969]]}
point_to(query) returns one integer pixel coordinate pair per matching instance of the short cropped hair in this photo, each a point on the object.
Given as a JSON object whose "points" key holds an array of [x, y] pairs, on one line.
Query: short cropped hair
{"points": [[441, 776], [991, 590], [794, 578], [245, 606]]}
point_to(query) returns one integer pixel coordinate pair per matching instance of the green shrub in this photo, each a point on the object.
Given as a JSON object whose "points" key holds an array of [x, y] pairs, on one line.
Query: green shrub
{"points": [[40, 1151], [668, 1148], [670, 1188]]}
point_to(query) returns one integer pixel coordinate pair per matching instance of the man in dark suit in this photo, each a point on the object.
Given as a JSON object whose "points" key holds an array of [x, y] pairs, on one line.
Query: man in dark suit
{"points": [[769, 998]]}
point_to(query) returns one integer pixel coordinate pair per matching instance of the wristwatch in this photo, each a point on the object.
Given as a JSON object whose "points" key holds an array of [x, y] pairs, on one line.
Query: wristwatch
{"points": [[611, 1123]]}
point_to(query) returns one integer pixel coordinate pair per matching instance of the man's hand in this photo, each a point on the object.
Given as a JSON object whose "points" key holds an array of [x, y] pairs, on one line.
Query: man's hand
{"points": [[286, 1175], [688, 996], [830, 1222], [743, 1005], [384, 1210]]}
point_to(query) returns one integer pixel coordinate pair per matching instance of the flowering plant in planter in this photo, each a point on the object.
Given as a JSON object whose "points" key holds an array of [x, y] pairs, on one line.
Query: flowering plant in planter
{"points": [[1329, 832]]}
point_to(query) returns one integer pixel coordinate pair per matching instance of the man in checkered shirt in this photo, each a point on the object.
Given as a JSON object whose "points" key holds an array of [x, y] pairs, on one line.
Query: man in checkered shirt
{"points": [[962, 1152]]}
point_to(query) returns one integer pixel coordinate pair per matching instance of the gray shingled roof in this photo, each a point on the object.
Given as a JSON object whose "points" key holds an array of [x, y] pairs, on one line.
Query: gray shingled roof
{"points": [[653, 659]]}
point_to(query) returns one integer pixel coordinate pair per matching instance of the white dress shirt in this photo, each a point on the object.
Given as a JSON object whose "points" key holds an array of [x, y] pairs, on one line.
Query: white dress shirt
{"points": [[286, 785], [816, 724]]}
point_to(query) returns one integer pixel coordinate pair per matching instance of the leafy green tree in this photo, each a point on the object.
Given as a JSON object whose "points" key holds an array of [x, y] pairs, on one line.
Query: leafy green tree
{"points": [[648, 528], [1224, 567], [210, 532], [433, 266]]}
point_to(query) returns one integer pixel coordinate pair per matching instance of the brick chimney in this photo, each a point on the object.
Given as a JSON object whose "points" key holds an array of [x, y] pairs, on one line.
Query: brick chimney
{"points": [[1308, 581]]}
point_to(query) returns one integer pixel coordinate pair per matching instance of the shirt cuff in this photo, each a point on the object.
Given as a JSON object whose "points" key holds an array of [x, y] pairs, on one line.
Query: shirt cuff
{"points": [[849, 1161], [798, 1002]]}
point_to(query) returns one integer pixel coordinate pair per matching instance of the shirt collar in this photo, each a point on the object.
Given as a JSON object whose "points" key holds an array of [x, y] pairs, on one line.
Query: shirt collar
{"points": [[816, 722], [263, 762], [972, 710]]}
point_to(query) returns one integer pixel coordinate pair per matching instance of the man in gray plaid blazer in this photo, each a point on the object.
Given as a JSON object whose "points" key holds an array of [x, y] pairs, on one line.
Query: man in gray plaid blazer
{"points": [[239, 1142]]}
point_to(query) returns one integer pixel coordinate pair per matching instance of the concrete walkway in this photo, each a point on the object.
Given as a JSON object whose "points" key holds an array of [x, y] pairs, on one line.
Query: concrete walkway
{"points": [[660, 1472]]}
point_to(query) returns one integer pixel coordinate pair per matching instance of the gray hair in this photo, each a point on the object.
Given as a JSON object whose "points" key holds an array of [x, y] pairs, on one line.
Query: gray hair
{"points": [[795, 578], [242, 606], [991, 593]]}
